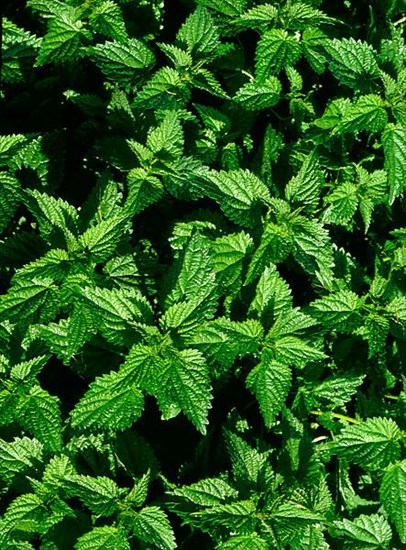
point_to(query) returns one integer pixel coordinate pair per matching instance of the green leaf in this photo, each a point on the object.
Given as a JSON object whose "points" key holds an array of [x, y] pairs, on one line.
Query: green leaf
{"points": [[193, 272], [206, 492], [239, 194], [304, 189], [292, 351], [122, 62], [54, 265], [258, 17], [393, 496], [186, 384], [272, 296], [39, 413], [366, 113], [19, 49], [364, 532], [227, 256], [111, 403], [144, 190], [9, 198], [276, 50], [100, 494], [372, 444], [256, 96], [152, 526], [102, 239], [116, 311], [235, 517], [340, 311], [394, 146], [20, 455], [166, 89], [336, 390], [343, 202], [52, 213], [107, 18], [270, 382], [312, 248], [166, 141], [106, 538], [199, 34], [274, 247], [352, 62], [64, 39], [231, 8], [26, 513]]}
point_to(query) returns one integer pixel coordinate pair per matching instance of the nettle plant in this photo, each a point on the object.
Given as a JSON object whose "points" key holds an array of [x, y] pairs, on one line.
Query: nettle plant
{"points": [[202, 262]]}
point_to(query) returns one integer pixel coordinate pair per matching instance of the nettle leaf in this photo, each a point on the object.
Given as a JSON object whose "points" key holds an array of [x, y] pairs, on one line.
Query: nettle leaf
{"points": [[312, 248], [100, 494], [107, 18], [366, 113], [237, 516], [185, 383], [340, 311], [53, 213], [272, 296], [164, 90], [122, 62], [364, 532], [54, 265], [151, 525], [373, 443], [301, 16], [9, 198], [166, 141], [239, 194], [304, 189], [206, 492], [250, 467], [39, 413], [25, 514], [199, 34], [144, 190], [115, 310], [290, 350], [258, 17], [336, 390], [21, 303], [343, 203], [19, 456], [314, 41], [292, 321], [107, 537], [101, 240], [255, 96], [64, 40], [19, 49], [270, 382], [231, 8], [111, 403], [228, 254], [277, 49], [274, 247], [194, 276], [352, 62], [394, 145], [393, 496]]}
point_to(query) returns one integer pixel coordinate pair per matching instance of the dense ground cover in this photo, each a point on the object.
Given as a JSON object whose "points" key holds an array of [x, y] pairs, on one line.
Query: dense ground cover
{"points": [[202, 269]]}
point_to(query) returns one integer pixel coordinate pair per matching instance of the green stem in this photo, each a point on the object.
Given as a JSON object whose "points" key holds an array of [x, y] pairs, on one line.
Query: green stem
{"points": [[338, 415]]}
